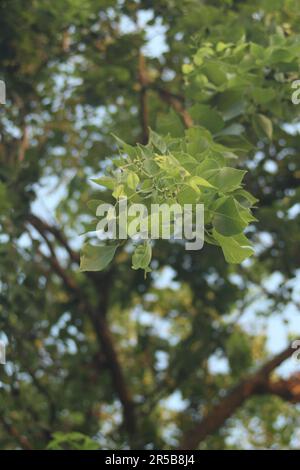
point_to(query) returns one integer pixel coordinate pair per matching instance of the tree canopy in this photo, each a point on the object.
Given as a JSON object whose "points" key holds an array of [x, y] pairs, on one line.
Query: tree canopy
{"points": [[160, 101]]}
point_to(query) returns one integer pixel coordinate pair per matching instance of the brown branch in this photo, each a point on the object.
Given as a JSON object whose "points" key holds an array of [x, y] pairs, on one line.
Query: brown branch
{"points": [[10, 429], [177, 104], [257, 383], [43, 227], [97, 318], [288, 390], [52, 260], [57, 268], [144, 111], [113, 362], [172, 99], [23, 145]]}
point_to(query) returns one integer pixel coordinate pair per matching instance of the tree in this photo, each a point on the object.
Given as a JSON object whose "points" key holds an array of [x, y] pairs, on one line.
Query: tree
{"points": [[109, 358]]}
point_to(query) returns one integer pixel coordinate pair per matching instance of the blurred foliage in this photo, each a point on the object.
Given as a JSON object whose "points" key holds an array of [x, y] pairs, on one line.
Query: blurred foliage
{"points": [[73, 76]]}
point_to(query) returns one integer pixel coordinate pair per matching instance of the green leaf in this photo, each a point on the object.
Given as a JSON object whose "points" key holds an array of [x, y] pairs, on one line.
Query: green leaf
{"points": [[186, 161], [207, 117], [119, 191], [132, 180], [258, 51], [195, 181], [281, 54], [231, 103], [72, 441], [141, 257], [198, 140], [215, 73], [235, 249], [226, 179], [187, 68], [157, 141], [94, 203], [188, 195], [234, 129], [170, 124], [128, 149], [263, 126], [245, 198], [221, 46], [207, 167], [227, 219], [96, 258], [151, 167], [105, 181], [263, 95]]}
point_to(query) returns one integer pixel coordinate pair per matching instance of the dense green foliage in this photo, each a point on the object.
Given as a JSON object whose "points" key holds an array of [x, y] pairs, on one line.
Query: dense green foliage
{"points": [[111, 357], [190, 170], [231, 86]]}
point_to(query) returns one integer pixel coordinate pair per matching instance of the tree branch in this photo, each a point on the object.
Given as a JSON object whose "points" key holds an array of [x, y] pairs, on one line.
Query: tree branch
{"points": [[144, 112], [257, 383], [97, 318], [43, 227], [177, 104], [288, 390], [10, 429]]}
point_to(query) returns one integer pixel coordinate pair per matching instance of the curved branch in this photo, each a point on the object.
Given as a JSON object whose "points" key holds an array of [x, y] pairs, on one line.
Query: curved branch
{"points": [[177, 104], [257, 383], [144, 111], [97, 318], [42, 227], [12, 430]]}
